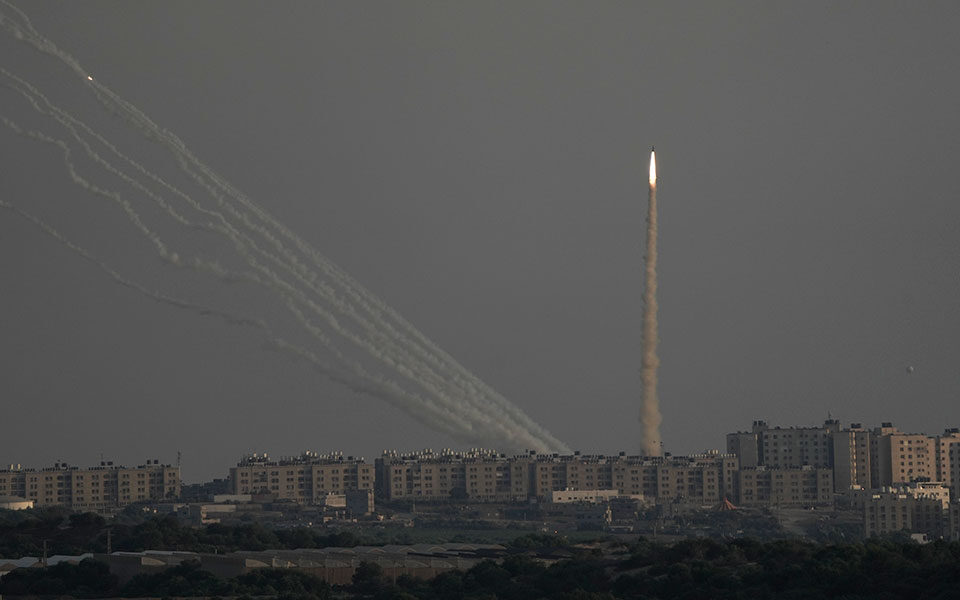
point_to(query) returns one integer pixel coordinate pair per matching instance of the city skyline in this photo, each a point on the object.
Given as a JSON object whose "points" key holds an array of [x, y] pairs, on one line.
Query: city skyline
{"points": [[793, 444], [483, 169]]}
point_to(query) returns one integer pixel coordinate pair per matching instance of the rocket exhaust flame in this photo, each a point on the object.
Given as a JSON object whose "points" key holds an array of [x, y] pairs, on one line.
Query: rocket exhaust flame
{"points": [[650, 409], [653, 167]]}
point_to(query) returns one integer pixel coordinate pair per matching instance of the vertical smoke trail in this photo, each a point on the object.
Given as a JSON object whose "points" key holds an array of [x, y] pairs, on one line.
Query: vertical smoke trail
{"points": [[650, 410]]}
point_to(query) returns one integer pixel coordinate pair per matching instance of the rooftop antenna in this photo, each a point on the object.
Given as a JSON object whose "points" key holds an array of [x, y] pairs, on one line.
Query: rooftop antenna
{"points": [[179, 457]]}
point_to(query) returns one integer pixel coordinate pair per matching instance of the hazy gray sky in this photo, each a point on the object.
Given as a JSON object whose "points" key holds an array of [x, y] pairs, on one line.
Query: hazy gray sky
{"points": [[482, 168]]}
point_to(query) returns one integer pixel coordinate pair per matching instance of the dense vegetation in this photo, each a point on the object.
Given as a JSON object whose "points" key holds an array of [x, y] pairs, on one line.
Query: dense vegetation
{"points": [[22, 533], [92, 579], [691, 569]]}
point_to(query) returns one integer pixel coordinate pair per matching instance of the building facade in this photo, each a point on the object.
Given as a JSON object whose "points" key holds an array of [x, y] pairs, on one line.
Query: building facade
{"points": [[905, 457], [851, 458], [948, 461], [859, 458], [477, 474], [96, 489], [488, 476], [919, 507], [788, 487], [304, 479]]}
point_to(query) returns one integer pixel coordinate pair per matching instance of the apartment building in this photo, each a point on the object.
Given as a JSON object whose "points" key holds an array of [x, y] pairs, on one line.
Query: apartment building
{"points": [[851, 458], [489, 476], [859, 458], [788, 447], [784, 447], [701, 479], [919, 507], [948, 461], [744, 445], [477, 474], [97, 489], [904, 457], [304, 479], [788, 487], [878, 465]]}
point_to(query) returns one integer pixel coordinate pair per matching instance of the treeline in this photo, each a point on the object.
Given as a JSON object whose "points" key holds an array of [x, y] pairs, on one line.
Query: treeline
{"points": [[166, 533], [22, 533], [692, 569], [746, 568], [702, 568], [92, 579], [72, 534]]}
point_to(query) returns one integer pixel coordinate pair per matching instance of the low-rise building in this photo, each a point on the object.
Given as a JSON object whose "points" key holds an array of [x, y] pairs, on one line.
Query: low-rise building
{"points": [[586, 496], [15, 503]]}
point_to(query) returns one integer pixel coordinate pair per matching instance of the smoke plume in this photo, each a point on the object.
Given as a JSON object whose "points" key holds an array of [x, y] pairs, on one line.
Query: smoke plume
{"points": [[210, 234], [650, 410]]}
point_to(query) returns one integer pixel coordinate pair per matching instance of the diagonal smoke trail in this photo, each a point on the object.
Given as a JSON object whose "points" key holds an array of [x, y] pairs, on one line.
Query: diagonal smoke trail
{"points": [[443, 416], [650, 410], [476, 394], [347, 321], [373, 386]]}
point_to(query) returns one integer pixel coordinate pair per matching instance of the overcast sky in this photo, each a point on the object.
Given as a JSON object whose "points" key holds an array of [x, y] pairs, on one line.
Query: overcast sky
{"points": [[481, 167]]}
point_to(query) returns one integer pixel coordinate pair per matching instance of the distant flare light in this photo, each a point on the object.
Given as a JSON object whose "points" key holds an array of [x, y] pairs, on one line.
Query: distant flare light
{"points": [[653, 167], [89, 77]]}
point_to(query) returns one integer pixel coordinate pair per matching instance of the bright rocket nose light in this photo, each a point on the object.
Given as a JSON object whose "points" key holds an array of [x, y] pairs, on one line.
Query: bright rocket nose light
{"points": [[89, 78], [653, 168]]}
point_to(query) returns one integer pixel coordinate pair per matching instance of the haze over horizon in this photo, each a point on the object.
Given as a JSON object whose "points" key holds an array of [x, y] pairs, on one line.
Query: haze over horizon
{"points": [[482, 168]]}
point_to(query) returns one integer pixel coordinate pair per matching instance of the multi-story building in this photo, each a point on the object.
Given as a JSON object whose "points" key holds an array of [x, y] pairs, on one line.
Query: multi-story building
{"points": [[886, 512], [304, 479], [744, 445], [788, 447], [879, 462], [784, 447], [102, 488], [490, 476], [448, 475], [704, 479], [851, 458], [919, 507], [948, 461], [904, 457], [794, 487], [858, 457]]}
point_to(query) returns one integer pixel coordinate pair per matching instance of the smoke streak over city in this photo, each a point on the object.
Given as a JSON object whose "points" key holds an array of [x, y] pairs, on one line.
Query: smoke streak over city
{"points": [[650, 410], [226, 257]]}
